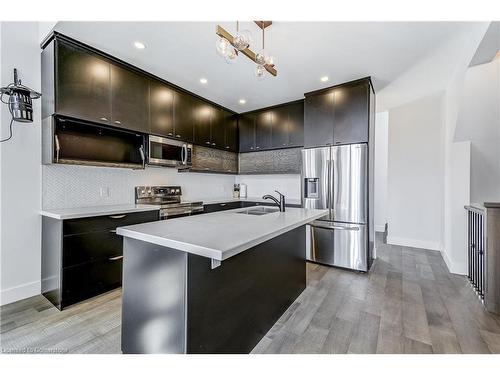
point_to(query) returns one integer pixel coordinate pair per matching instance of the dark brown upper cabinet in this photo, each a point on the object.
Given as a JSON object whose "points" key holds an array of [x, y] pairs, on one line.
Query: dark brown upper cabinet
{"points": [[82, 83], [86, 84], [288, 125], [318, 119], [280, 127], [296, 124], [339, 115], [184, 117], [217, 128], [231, 131], [272, 128], [202, 119], [263, 130], [211, 125], [129, 99], [246, 127], [161, 109], [351, 110]]}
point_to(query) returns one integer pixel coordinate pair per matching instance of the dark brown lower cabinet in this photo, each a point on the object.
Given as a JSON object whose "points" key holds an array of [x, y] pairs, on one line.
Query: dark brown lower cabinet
{"points": [[82, 258], [231, 205], [89, 247], [90, 279], [216, 207]]}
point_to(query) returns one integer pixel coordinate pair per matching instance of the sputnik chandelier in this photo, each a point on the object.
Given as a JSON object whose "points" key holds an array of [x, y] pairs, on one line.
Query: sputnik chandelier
{"points": [[229, 47]]}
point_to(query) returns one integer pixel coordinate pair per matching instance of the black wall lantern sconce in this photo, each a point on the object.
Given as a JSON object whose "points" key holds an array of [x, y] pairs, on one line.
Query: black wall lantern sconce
{"points": [[20, 102]]}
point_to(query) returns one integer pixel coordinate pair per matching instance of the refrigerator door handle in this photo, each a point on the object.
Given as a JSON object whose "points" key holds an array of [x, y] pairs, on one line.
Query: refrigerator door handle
{"points": [[330, 182], [328, 198]]}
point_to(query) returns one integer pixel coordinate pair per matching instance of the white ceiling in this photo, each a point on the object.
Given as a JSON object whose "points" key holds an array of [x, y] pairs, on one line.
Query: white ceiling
{"points": [[183, 52]]}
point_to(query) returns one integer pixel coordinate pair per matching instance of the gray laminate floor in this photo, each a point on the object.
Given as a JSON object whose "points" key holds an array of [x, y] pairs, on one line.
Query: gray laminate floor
{"points": [[408, 303]]}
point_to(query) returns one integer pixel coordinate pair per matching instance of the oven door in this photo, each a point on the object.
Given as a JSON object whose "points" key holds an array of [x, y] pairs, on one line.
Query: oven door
{"points": [[168, 152], [179, 210]]}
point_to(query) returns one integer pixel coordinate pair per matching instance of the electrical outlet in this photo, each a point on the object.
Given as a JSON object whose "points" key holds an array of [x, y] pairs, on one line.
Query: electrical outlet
{"points": [[104, 192]]}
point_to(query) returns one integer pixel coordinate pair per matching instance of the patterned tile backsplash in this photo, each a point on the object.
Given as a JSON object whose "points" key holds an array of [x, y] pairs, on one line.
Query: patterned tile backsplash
{"points": [[67, 186]]}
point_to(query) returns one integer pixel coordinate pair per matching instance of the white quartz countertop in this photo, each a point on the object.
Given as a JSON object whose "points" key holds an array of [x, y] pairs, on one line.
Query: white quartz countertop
{"points": [[220, 235], [249, 199], [79, 212]]}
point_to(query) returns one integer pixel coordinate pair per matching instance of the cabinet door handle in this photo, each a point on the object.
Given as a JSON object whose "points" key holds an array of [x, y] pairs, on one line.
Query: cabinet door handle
{"points": [[213, 144], [178, 135], [117, 216], [116, 258], [112, 231], [207, 142], [103, 119], [223, 204], [227, 146], [143, 156], [169, 133], [118, 122], [58, 147], [257, 147]]}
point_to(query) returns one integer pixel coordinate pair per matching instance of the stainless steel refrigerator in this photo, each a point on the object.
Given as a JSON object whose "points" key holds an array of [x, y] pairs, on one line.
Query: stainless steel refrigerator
{"points": [[336, 178]]}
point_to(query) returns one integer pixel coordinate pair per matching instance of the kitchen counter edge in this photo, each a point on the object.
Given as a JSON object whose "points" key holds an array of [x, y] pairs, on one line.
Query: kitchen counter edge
{"points": [[82, 212], [212, 253]]}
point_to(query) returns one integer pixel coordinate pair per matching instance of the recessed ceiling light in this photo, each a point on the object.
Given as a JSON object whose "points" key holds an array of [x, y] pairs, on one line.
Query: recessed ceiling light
{"points": [[242, 101], [139, 45], [324, 78], [203, 80]]}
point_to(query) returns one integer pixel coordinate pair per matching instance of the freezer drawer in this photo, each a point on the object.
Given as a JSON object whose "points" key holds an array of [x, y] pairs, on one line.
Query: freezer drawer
{"points": [[338, 244]]}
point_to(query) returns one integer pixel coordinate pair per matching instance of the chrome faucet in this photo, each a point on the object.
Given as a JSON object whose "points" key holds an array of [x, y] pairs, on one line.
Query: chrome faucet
{"points": [[280, 203]]}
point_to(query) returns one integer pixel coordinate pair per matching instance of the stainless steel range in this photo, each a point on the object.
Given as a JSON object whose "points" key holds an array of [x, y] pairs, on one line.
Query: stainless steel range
{"points": [[169, 198]]}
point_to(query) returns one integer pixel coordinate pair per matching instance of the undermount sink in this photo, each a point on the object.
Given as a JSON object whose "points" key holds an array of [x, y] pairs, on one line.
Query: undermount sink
{"points": [[259, 211]]}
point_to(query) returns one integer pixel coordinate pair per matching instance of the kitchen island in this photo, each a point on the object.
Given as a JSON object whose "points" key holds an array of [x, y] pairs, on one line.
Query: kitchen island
{"points": [[212, 283]]}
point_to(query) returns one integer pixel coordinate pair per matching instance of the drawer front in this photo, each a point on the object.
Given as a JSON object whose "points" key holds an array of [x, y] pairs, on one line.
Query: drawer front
{"points": [[251, 204], [86, 247], [221, 206], [101, 223], [90, 279]]}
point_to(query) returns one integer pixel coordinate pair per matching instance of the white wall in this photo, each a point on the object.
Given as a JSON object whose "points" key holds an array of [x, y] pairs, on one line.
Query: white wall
{"points": [[258, 185], [479, 122], [457, 193], [457, 161], [20, 174], [416, 174], [381, 149]]}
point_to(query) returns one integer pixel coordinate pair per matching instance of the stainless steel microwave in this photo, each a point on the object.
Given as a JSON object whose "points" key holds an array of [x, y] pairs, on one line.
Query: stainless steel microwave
{"points": [[169, 152]]}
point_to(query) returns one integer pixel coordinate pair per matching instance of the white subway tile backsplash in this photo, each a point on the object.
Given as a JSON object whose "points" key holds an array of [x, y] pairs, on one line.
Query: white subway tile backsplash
{"points": [[258, 185], [65, 186]]}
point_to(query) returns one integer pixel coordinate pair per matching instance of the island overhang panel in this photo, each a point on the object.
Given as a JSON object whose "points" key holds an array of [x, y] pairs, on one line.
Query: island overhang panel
{"points": [[176, 302]]}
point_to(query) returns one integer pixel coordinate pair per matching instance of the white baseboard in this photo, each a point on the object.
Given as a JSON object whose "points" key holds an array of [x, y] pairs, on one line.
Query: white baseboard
{"points": [[459, 268], [411, 242], [19, 292]]}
